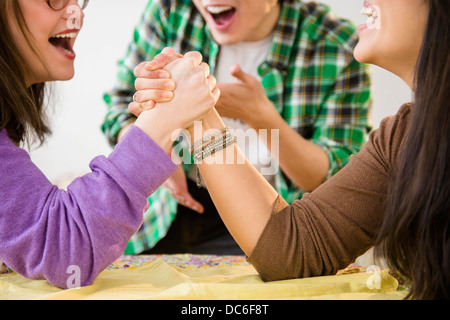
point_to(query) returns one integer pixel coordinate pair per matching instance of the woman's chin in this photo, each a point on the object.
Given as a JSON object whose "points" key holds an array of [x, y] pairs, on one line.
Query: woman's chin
{"points": [[63, 76], [363, 54]]}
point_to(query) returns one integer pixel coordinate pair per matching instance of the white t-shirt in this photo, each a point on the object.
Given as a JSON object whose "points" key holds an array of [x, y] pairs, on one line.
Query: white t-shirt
{"points": [[249, 55]]}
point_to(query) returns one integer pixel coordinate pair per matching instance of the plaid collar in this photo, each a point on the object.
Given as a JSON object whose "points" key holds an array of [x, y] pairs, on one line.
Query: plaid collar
{"points": [[284, 37]]}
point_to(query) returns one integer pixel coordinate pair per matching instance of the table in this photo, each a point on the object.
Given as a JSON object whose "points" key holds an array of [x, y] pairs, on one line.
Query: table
{"points": [[206, 277]]}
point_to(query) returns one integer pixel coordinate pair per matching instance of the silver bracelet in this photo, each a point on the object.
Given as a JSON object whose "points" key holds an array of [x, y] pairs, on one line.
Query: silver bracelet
{"points": [[211, 148], [208, 138]]}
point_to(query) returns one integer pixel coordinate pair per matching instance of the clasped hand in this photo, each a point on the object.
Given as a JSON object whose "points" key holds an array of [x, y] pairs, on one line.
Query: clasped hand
{"points": [[182, 88], [245, 100]]}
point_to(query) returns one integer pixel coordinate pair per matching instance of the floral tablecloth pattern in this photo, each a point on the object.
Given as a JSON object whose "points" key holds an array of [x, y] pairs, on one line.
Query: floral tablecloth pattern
{"points": [[189, 261]]}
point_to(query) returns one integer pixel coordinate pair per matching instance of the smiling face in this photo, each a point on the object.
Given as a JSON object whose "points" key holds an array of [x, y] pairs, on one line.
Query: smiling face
{"points": [[393, 35], [233, 21], [52, 35]]}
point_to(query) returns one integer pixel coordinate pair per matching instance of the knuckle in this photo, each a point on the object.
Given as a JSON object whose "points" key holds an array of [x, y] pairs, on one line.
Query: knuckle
{"points": [[194, 54], [134, 108], [212, 81], [162, 95], [205, 67], [138, 84], [195, 57], [211, 100], [160, 58], [167, 50], [138, 69], [137, 96], [198, 77]]}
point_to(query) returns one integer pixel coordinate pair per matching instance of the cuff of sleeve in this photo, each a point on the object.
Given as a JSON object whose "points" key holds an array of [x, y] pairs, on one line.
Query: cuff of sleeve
{"points": [[336, 155], [142, 161]]}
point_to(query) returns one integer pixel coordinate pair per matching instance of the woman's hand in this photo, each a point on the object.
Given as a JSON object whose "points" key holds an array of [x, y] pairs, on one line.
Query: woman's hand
{"points": [[150, 92], [194, 96], [154, 84]]}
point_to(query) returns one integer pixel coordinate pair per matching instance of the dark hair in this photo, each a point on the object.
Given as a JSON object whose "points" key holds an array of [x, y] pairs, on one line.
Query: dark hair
{"points": [[21, 107], [415, 234]]}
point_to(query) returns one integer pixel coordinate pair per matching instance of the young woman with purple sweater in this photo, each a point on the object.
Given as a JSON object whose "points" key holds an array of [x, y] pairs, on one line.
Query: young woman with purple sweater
{"points": [[45, 232]]}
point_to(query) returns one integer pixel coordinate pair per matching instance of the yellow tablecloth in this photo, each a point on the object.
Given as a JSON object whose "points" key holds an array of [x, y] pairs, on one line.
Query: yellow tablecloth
{"points": [[191, 277]]}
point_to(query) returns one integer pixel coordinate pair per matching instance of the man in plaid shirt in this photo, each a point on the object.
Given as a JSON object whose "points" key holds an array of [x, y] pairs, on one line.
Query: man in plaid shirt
{"points": [[295, 73]]}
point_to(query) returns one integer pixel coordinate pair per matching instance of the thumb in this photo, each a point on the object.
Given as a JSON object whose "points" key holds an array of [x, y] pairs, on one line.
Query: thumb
{"points": [[166, 56], [238, 73]]}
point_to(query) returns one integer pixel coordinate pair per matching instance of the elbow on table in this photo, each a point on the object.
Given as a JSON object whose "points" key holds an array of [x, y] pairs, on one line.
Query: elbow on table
{"points": [[288, 273], [278, 275], [269, 273], [71, 278]]}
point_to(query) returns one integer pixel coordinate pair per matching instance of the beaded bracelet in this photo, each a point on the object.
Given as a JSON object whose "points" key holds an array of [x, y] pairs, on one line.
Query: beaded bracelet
{"points": [[211, 148], [214, 146], [208, 138]]}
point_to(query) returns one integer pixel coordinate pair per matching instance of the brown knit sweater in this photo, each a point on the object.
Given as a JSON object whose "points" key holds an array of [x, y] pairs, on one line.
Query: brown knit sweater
{"points": [[329, 228]]}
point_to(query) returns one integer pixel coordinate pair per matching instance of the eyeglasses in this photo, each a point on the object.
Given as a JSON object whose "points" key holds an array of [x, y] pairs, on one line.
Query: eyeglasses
{"points": [[61, 4]]}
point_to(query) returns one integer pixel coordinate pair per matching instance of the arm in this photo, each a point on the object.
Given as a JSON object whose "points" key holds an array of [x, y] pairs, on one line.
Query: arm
{"points": [[44, 231], [338, 106], [339, 130], [241, 195], [343, 122], [305, 163], [319, 234]]}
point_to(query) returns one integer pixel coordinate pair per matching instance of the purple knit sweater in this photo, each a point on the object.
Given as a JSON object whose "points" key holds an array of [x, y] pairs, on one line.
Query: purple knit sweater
{"points": [[44, 230]]}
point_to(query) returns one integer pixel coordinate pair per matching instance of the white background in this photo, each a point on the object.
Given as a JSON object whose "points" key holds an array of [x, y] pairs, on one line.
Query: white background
{"points": [[77, 108]]}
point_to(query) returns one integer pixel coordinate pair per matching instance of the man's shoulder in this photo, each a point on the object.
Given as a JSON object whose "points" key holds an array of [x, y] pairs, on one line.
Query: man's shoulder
{"points": [[320, 23]]}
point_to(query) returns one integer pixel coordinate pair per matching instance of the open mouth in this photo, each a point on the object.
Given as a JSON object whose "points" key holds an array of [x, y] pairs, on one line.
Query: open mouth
{"points": [[373, 16], [222, 15], [63, 42]]}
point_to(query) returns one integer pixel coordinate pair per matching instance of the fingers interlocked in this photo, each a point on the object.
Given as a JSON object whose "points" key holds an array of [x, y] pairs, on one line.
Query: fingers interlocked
{"points": [[155, 85]]}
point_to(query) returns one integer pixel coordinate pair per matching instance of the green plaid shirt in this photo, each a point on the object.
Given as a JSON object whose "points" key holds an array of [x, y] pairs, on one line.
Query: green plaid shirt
{"points": [[310, 75]]}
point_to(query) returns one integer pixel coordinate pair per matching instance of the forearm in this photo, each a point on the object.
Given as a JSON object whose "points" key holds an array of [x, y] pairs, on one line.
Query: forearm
{"points": [[124, 130], [241, 195], [89, 225], [305, 163]]}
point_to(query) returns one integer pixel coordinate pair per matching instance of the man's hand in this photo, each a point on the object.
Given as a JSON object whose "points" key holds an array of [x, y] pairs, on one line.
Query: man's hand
{"points": [[245, 100], [177, 187]]}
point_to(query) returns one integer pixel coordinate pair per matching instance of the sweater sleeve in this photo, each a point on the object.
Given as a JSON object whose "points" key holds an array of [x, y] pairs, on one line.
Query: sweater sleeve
{"points": [[46, 233], [329, 228]]}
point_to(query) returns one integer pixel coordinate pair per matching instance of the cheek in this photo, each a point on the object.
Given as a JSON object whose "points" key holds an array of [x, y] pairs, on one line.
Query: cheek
{"points": [[251, 20]]}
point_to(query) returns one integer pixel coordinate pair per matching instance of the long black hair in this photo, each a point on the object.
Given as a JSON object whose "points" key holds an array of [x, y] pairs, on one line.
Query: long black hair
{"points": [[415, 235]]}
